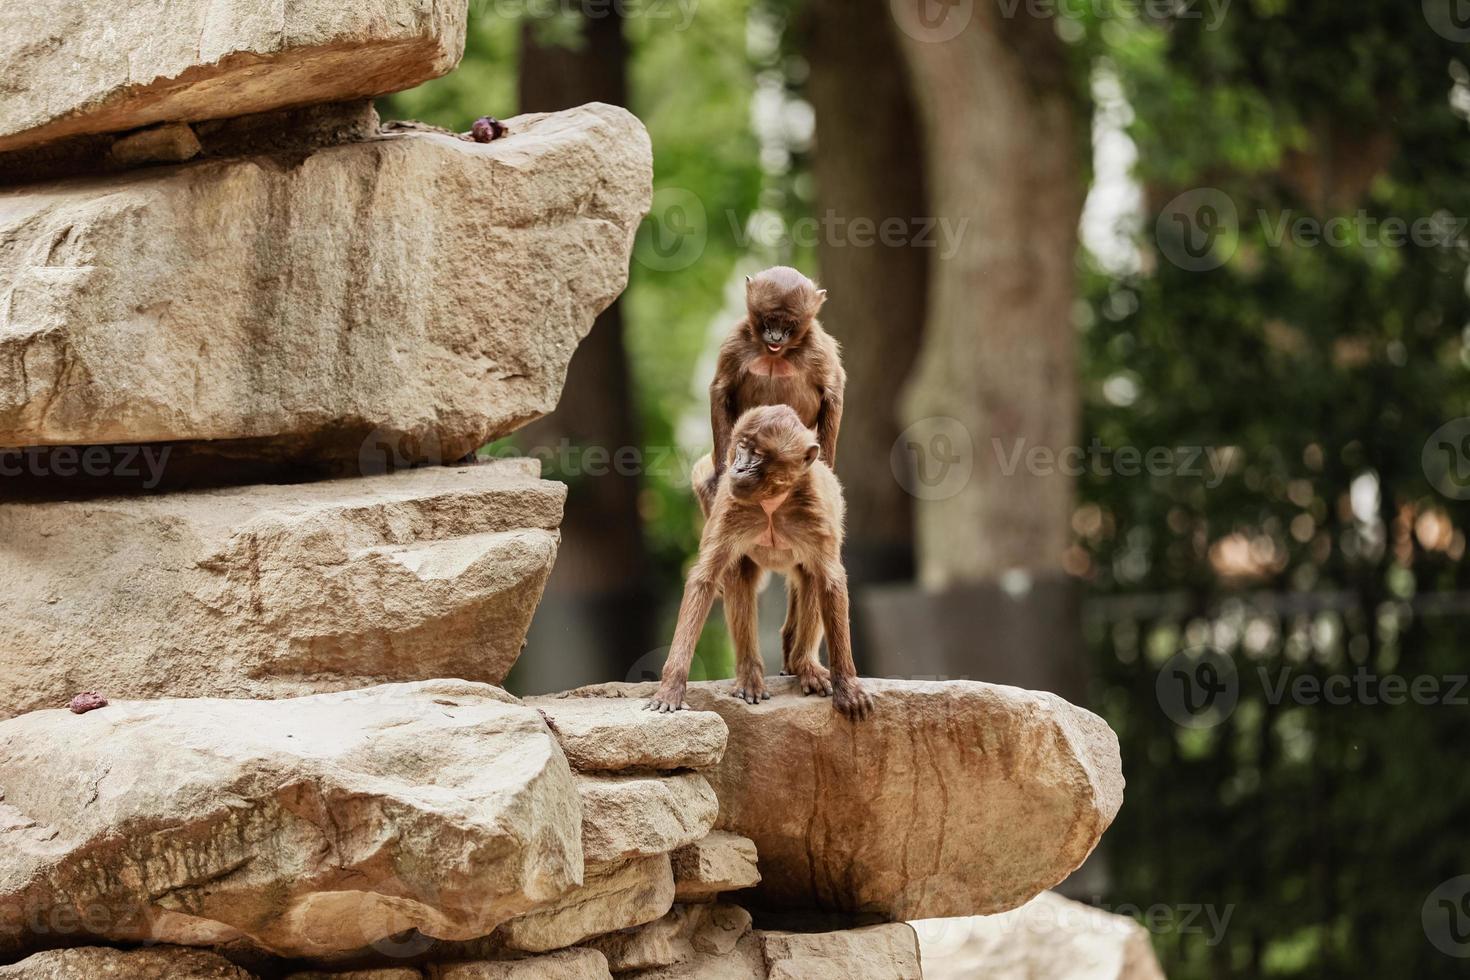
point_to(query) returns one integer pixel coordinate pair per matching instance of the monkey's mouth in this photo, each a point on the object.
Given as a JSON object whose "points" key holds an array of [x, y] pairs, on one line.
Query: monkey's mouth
{"points": [[774, 348]]}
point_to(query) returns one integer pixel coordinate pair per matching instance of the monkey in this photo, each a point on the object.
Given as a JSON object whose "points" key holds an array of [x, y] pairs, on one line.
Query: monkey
{"points": [[778, 354], [777, 507]]}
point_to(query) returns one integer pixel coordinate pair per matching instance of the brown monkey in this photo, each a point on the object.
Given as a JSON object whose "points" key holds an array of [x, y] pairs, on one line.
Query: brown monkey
{"points": [[777, 355], [778, 507]]}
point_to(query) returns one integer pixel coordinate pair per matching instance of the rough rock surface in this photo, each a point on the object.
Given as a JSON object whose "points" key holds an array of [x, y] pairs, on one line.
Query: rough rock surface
{"points": [[397, 300], [954, 798], [407, 973], [148, 963], [615, 896], [1048, 938], [272, 591], [718, 862], [603, 735], [887, 952], [639, 816], [87, 67], [304, 826], [687, 932], [567, 964], [744, 962]]}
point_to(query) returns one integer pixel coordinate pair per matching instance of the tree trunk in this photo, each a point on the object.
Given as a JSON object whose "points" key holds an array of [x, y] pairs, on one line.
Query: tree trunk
{"points": [[996, 374], [597, 618], [868, 166]]}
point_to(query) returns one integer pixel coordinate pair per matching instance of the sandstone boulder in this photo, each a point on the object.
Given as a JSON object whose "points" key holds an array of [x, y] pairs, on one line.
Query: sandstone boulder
{"points": [[686, 933], [718, 862], [607, 735], [274, 591], [305, 827], [639, 816], [614, 896], [954, 798], [397, 300], [1048, 938], [387, 973], [887, 952], [88, 67], [148, 963]]}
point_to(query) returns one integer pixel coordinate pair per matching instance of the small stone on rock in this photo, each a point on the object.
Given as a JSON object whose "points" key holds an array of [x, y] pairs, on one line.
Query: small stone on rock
{"points": [[87, 701]]}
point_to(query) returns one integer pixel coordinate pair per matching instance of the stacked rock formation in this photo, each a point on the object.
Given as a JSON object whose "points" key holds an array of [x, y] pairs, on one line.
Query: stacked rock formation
{"points": [[243, 328]]}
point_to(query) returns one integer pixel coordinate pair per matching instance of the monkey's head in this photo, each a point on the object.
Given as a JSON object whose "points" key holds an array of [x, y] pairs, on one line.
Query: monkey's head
{"points": [[782, 303], [770, 451]]}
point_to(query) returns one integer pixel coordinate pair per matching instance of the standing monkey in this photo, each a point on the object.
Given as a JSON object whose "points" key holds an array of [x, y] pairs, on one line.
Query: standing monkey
{"points": [[777, 355], [778, 507]]}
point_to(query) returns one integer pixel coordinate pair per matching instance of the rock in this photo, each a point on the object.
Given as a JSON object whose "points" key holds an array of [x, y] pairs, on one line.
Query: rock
{"points": [[275, 591], [615, 896], [87, 67], [628, 817], [605, 735], [305, 827], [168, 143], [148, 963], [567, 964], [955, 798], [1048, 938], [386, 974], [744, 962], [398, 300], [688, 931], [887, 952], [719, 862]]}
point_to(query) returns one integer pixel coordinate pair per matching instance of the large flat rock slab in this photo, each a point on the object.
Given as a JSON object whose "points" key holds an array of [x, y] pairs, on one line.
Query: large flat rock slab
{"points": [[307, 826], [148, 963], [626, 817], [373, 304], [955, 798], [74, 67], [274, 591], [1050, 936]]}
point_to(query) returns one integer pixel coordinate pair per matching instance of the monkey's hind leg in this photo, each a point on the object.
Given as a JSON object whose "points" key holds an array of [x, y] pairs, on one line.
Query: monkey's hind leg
{"points": [[740, 613], [801, 637]]}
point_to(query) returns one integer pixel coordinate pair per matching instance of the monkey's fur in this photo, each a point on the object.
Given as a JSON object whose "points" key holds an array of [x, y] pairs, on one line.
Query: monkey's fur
{"points": [[777, 355], [777, 507]]}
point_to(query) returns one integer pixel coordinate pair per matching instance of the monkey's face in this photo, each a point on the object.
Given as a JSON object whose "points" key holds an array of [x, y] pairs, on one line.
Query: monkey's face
{"points": [[770, 451], [778, 331], [781, 303]]}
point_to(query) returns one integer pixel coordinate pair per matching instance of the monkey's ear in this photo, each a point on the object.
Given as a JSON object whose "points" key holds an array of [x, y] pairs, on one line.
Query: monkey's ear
{"points": [[821, 299], [747, 280], [811, 454]]}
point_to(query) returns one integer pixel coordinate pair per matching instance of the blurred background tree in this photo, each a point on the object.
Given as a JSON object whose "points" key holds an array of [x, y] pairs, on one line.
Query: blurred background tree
{"points": [[1262, 401]]}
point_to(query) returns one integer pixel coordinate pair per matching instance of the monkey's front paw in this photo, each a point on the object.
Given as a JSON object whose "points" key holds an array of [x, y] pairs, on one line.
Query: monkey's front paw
{"points": [[751, 690], [849, 698], [669, 698], [815, 679]]}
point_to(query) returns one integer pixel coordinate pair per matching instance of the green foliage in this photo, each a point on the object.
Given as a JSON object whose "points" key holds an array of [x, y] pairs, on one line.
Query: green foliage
{"points": [[1325, 367]]}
